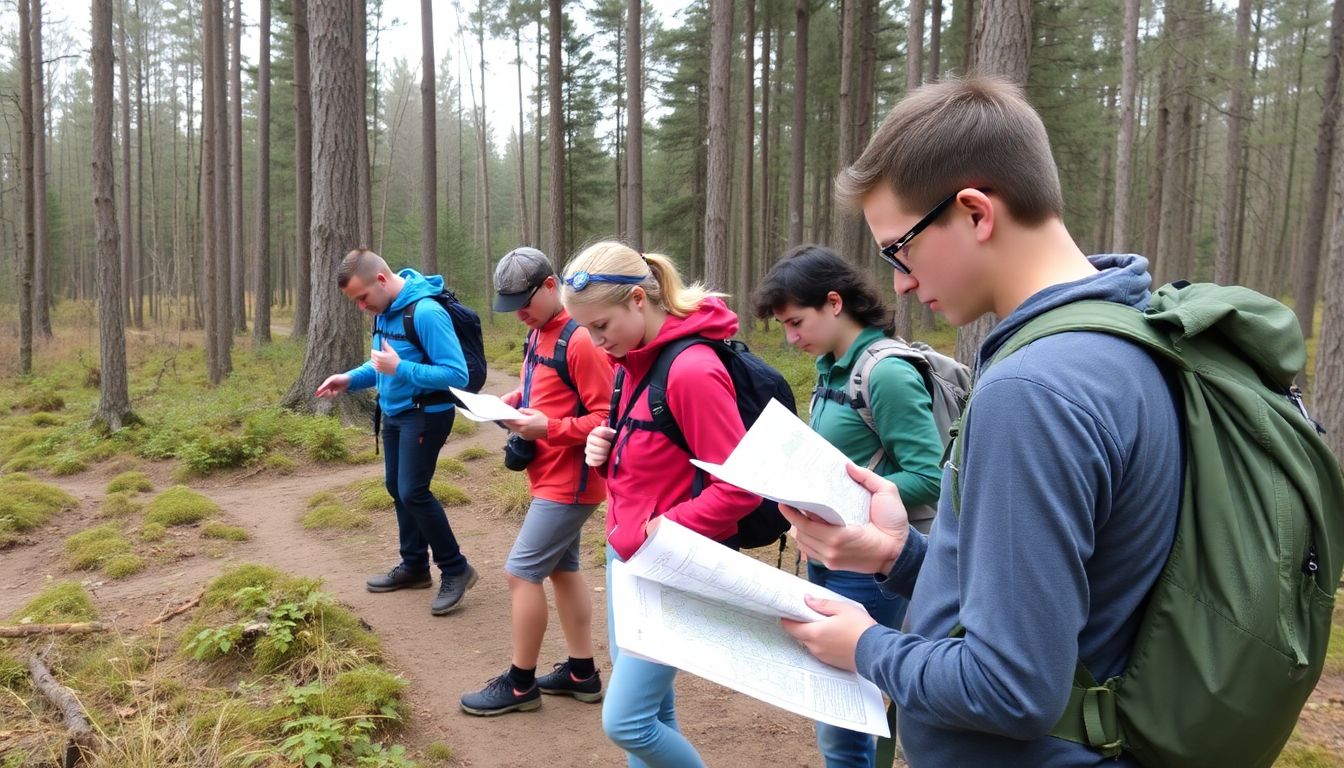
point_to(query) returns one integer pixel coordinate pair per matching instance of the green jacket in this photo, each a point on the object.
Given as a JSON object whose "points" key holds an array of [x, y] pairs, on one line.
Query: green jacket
{"points": [[903, 411]]}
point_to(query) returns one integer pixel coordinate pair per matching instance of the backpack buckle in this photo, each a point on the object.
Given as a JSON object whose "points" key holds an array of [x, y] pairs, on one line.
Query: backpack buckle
{"points": [[1099, 720]]}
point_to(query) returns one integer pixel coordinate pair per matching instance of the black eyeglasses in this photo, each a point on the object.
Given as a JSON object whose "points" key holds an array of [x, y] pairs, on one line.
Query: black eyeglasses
{"points": [[889, 252], [530, 296]]}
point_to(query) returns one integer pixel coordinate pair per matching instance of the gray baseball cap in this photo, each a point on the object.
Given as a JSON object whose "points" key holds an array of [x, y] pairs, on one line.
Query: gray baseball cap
{"points": [[517, 275]]}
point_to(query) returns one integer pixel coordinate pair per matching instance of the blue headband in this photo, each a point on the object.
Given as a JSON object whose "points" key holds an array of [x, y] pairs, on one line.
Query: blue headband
{"points": [[580, 280]]}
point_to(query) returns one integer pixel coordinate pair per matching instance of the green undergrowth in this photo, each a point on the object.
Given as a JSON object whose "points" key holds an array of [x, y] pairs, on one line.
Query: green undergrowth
{"points": [[268, 671], [26, 503], [354, 505]]}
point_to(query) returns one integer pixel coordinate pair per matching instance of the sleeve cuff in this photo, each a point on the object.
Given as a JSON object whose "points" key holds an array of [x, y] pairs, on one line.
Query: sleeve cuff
{"points": [[900, 582]]}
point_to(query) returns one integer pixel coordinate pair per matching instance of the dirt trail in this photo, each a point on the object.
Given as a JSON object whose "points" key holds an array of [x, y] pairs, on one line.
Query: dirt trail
{"points": [[442, 657]]}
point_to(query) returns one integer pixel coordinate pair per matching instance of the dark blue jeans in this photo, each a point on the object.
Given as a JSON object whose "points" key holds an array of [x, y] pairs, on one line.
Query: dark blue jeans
{"points": [[411, 443], [841, 747]]}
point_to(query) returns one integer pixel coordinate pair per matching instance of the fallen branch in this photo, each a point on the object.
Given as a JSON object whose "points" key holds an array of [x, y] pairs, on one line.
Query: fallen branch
{"points": [[28, 630], [81, 741], [178, 611]]}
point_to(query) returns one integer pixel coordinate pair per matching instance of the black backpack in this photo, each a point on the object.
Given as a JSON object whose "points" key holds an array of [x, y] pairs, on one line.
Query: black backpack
{"points": [[467, 324], [560, 362], [756, 384]]}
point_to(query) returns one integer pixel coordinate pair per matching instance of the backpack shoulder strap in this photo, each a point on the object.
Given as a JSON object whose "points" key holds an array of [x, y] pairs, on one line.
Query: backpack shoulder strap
{"points": [[655, 382], [408, 323], [1107, 317], [560, 355], [860, 384]]}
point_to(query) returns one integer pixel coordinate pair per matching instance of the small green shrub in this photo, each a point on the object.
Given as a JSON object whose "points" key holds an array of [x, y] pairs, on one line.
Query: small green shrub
{"points": [[225, 532], [42, 400], [130, 482], [279, 463], [123, 565], [180, 505], [26, 503], [449, 495], [473, 453], [119, 505], [61, 602], [211, 453], [90, 549], [152, 532]]}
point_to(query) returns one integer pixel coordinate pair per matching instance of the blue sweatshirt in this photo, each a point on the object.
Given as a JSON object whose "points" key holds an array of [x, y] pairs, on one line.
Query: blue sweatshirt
{"points": [[1070, 489], [446, 366]]}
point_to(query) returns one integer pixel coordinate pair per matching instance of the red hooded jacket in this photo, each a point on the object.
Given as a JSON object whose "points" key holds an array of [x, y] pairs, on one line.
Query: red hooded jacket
{"points": [[647, 474]]}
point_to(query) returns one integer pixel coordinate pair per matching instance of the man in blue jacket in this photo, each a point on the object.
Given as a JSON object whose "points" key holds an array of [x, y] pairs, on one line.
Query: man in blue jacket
{"points": [[413, 432], [1070, 479]]}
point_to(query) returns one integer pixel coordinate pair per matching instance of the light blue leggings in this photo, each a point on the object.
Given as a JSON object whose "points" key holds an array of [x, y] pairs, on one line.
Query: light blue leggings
{"points": [[639, 711]]}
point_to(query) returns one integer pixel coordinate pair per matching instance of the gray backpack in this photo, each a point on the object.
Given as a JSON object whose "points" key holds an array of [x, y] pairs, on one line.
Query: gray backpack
{"points": [[948, 383]]}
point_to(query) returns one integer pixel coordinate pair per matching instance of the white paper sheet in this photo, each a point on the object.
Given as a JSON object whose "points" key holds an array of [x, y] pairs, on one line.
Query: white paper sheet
{"points": [[781, 458], [484, 407], [733, 640]]}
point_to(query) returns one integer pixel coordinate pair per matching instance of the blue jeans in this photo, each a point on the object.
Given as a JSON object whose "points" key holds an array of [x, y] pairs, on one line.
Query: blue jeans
{"points": [[841, 747], [639, 711], [411, 443]]}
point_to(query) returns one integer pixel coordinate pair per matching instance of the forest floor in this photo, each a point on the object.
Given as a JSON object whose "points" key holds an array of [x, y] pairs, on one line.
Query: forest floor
{"points": [[272, 501]]}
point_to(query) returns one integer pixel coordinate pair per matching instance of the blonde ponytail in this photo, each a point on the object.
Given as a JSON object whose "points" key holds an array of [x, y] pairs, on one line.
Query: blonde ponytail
{"points": [[662, 283]]}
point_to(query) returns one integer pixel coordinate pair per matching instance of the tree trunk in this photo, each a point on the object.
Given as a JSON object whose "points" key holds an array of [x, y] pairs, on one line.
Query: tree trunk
{"points": [[555, 133], [557, 258], [914, 46], [864, 96], [634, 125], [261, 267], [128, 255], [41, 252], [364, 185], [429, 202], [745, 250], [802, 12], [936, 42], [209, 204], [1306, 276], [26, 144], [223, 221], [845, 108], [1003, 48], [522, 139], [303, 173], [968, 37], [138, 224], [1124, 147], [719, 174], [767, 200], [1327, 390], [484, 146], [114, 404], [1176, 161], [335, 337], [1225, 258], [238, 279], [1102, 225]]}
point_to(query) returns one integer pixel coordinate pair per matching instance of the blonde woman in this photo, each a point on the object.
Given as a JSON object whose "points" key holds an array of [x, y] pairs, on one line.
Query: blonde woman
{"points": [[634, 305]]}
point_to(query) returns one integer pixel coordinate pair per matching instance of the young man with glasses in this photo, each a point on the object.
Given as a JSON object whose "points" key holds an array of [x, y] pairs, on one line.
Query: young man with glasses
{"points": [[1070, 476], [564, 393]]}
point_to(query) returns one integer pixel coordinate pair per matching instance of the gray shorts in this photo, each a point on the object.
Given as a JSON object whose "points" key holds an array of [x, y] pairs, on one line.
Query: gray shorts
{"points": [[549, 540]]}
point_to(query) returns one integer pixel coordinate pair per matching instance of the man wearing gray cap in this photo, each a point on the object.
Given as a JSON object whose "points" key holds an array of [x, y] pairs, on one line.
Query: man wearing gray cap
{"points": [[565, 391]]}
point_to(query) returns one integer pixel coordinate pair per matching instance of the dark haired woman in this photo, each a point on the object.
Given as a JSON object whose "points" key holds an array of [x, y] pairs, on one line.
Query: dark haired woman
{"points": [[831, 310]]}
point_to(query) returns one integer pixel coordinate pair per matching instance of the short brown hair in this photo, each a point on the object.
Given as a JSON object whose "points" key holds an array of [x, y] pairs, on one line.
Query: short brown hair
{"points": [[362, 262], [958, 133]]}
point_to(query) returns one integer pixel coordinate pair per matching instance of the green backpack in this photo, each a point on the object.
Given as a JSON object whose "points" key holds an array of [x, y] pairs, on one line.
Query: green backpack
{"points": [[1234, 633]]}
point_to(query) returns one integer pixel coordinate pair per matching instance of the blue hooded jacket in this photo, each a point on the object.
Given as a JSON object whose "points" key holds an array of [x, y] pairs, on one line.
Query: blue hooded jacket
{"points": [[446, 366], [1070, 490]]}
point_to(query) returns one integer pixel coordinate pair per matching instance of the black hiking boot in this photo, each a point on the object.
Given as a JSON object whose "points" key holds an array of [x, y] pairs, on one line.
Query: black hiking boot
{"points": [[399, 578], [561, 681], [451, 590], [499, 696]]}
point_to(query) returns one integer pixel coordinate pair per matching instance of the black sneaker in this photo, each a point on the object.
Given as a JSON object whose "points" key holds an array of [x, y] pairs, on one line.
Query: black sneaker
{"points": [[562, 682], [499, 696], [451, 590], [400, 578]]}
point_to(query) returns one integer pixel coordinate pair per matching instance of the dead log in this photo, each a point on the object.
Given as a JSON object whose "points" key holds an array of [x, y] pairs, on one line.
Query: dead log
{"points": [[76, 628], [81, 741], [178, 611]]}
